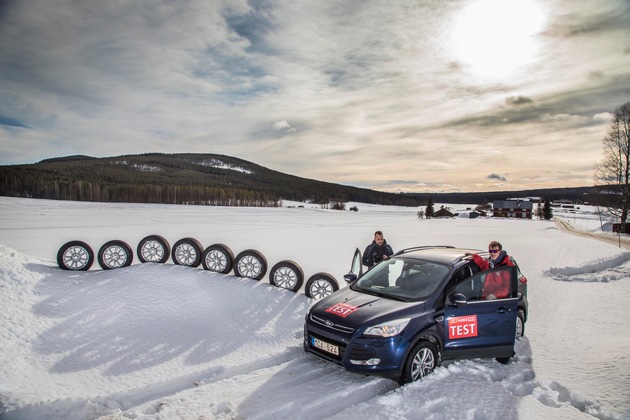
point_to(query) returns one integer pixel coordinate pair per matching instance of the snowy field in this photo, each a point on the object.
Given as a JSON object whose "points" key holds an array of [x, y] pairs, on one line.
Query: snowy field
{"points": [[160, 341]]}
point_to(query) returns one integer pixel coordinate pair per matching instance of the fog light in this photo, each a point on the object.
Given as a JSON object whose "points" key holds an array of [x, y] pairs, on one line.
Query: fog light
{"points": [[369, 362]]}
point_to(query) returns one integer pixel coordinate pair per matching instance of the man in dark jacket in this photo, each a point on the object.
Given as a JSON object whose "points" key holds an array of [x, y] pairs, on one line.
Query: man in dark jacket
{"points": [[377, 251]]}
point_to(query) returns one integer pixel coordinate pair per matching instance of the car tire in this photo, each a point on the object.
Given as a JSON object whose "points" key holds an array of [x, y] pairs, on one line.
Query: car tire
{"points": [[217, 258], [287, 275], [75, 256], [505, 360], [520, 324], [187, 252], [115, 254], [153, 248], [422, 360], [320, 285], [250, 263]]}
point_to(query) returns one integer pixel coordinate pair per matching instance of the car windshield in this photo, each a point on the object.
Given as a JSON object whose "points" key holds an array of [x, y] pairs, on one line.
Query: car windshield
{"points": [[403, 279]]}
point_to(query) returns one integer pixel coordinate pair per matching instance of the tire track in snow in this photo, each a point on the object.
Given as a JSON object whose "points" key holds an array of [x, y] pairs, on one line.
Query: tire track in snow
{"points": [[621, 241]]}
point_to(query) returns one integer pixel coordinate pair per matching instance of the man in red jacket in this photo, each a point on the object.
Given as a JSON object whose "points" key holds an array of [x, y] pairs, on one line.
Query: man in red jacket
{"points": [[497, 284]]}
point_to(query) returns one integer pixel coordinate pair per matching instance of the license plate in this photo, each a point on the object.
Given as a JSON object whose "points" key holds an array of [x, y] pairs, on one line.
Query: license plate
{"points": [[327, 347]]}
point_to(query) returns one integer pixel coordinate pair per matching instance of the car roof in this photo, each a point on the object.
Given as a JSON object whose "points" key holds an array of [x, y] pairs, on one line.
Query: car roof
{"points": [[440, 254]]}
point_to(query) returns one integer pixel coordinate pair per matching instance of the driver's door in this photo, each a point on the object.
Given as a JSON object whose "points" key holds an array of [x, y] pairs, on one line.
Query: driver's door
{"points": [[356, 269], [476, 327], [357, 263]]}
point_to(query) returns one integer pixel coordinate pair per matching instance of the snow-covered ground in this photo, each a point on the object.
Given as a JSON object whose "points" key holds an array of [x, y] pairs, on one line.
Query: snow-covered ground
{"points": [[160, 341]]}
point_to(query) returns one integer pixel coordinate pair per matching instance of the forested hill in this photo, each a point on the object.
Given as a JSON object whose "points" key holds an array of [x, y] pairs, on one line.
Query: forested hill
{"points": [[212, 180], [176, 179]]}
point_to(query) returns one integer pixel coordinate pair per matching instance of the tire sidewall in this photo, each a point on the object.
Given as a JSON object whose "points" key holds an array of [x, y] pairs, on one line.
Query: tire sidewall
{"points": [[68, 245], [110, 244], [405, 376]]}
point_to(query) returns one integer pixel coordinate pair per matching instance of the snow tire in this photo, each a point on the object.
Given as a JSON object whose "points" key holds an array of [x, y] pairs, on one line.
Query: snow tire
{"points": [[187, 252], [320, 285], [75, 256], [153, 248], [422, 360], [218, 258], [115, 254], [250, 263], [287, 275]]}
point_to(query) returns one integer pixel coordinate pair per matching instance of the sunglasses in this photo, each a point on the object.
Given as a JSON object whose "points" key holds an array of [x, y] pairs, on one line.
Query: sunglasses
{"points": [[494, 251]]}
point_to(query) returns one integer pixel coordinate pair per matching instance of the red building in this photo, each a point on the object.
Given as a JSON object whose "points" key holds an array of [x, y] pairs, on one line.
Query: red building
{"points": [[517, 208]]}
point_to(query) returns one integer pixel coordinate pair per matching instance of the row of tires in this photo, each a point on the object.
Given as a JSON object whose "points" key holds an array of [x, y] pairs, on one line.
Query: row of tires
{"points": [[219, 258]]}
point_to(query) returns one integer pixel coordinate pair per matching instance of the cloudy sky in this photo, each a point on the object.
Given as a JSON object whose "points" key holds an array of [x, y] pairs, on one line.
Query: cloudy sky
{"points": [[424, 95]]}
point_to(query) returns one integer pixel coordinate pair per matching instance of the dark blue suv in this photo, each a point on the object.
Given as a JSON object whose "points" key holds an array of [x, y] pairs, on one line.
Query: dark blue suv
{"points": [[405, 315]]}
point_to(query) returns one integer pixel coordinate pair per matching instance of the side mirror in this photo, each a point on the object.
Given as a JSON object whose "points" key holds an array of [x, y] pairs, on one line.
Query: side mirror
{"points": [[458, 299], [350, 277]]}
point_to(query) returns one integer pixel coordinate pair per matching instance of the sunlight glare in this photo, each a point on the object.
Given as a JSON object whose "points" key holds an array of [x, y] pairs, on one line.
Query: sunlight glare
{"points": [[495, 37]]}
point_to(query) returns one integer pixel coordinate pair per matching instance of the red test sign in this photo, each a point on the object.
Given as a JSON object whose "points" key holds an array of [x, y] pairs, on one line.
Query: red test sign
{"points": [[342, 309], [462, 327]]}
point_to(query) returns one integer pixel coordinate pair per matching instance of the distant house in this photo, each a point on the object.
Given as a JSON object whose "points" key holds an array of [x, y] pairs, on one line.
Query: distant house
{"points": [[517, 208]]}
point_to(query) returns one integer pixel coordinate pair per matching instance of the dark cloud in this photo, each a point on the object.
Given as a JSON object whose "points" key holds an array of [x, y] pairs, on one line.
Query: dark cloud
{"points": [[518, 100], [11, 122], [576, 24], [496, 177]]}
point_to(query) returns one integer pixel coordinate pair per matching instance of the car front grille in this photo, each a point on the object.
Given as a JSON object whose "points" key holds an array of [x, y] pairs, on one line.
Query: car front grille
{"points": [[331, 325]]}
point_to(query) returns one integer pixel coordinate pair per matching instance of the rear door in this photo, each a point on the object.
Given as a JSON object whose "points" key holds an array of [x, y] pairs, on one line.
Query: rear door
{"points": [[476, 327]]}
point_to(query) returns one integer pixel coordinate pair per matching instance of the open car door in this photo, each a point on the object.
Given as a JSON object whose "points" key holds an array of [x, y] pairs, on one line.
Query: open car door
{"points": [[356, 269], [477, 325]]}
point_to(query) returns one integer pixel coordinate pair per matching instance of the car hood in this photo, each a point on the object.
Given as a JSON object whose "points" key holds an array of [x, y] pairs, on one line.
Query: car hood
{"points": [[354, 309]]}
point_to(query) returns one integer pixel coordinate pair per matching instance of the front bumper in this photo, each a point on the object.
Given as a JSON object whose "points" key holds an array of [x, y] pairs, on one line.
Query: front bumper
{"points": [[366, 355]]}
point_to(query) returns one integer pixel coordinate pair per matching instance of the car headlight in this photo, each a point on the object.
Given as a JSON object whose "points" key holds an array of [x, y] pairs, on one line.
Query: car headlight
{"points": [[387, 329]]}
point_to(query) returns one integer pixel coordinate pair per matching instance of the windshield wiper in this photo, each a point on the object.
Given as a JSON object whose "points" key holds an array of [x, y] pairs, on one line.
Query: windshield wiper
{"points": [[375, 292]]}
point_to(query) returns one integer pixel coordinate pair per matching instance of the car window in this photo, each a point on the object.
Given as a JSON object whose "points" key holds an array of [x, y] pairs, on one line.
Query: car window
{"points": [[487, 284], [407, 279]]}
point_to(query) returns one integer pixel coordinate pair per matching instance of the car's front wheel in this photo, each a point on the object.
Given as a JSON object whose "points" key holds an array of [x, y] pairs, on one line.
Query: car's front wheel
{"points": [[422, 360]]}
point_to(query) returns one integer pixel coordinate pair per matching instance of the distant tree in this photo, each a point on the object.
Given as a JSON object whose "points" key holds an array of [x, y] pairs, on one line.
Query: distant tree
{"points": [[430, 211], [420, 214], [547, 211], [614, 169], [354, 208]]}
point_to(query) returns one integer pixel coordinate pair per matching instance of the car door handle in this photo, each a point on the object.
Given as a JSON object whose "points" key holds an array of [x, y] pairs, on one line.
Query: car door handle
{"points": [[503, 310]]}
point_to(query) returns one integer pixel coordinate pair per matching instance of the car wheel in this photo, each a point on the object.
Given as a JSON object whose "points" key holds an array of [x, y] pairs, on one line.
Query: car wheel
{"points": [[287, 275], [520, 324], [250, 263], [422, 360], [75, 256], [187, 252], [153, 248], [115, 254], [320, 285], [504, 360], [218, 258]]}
